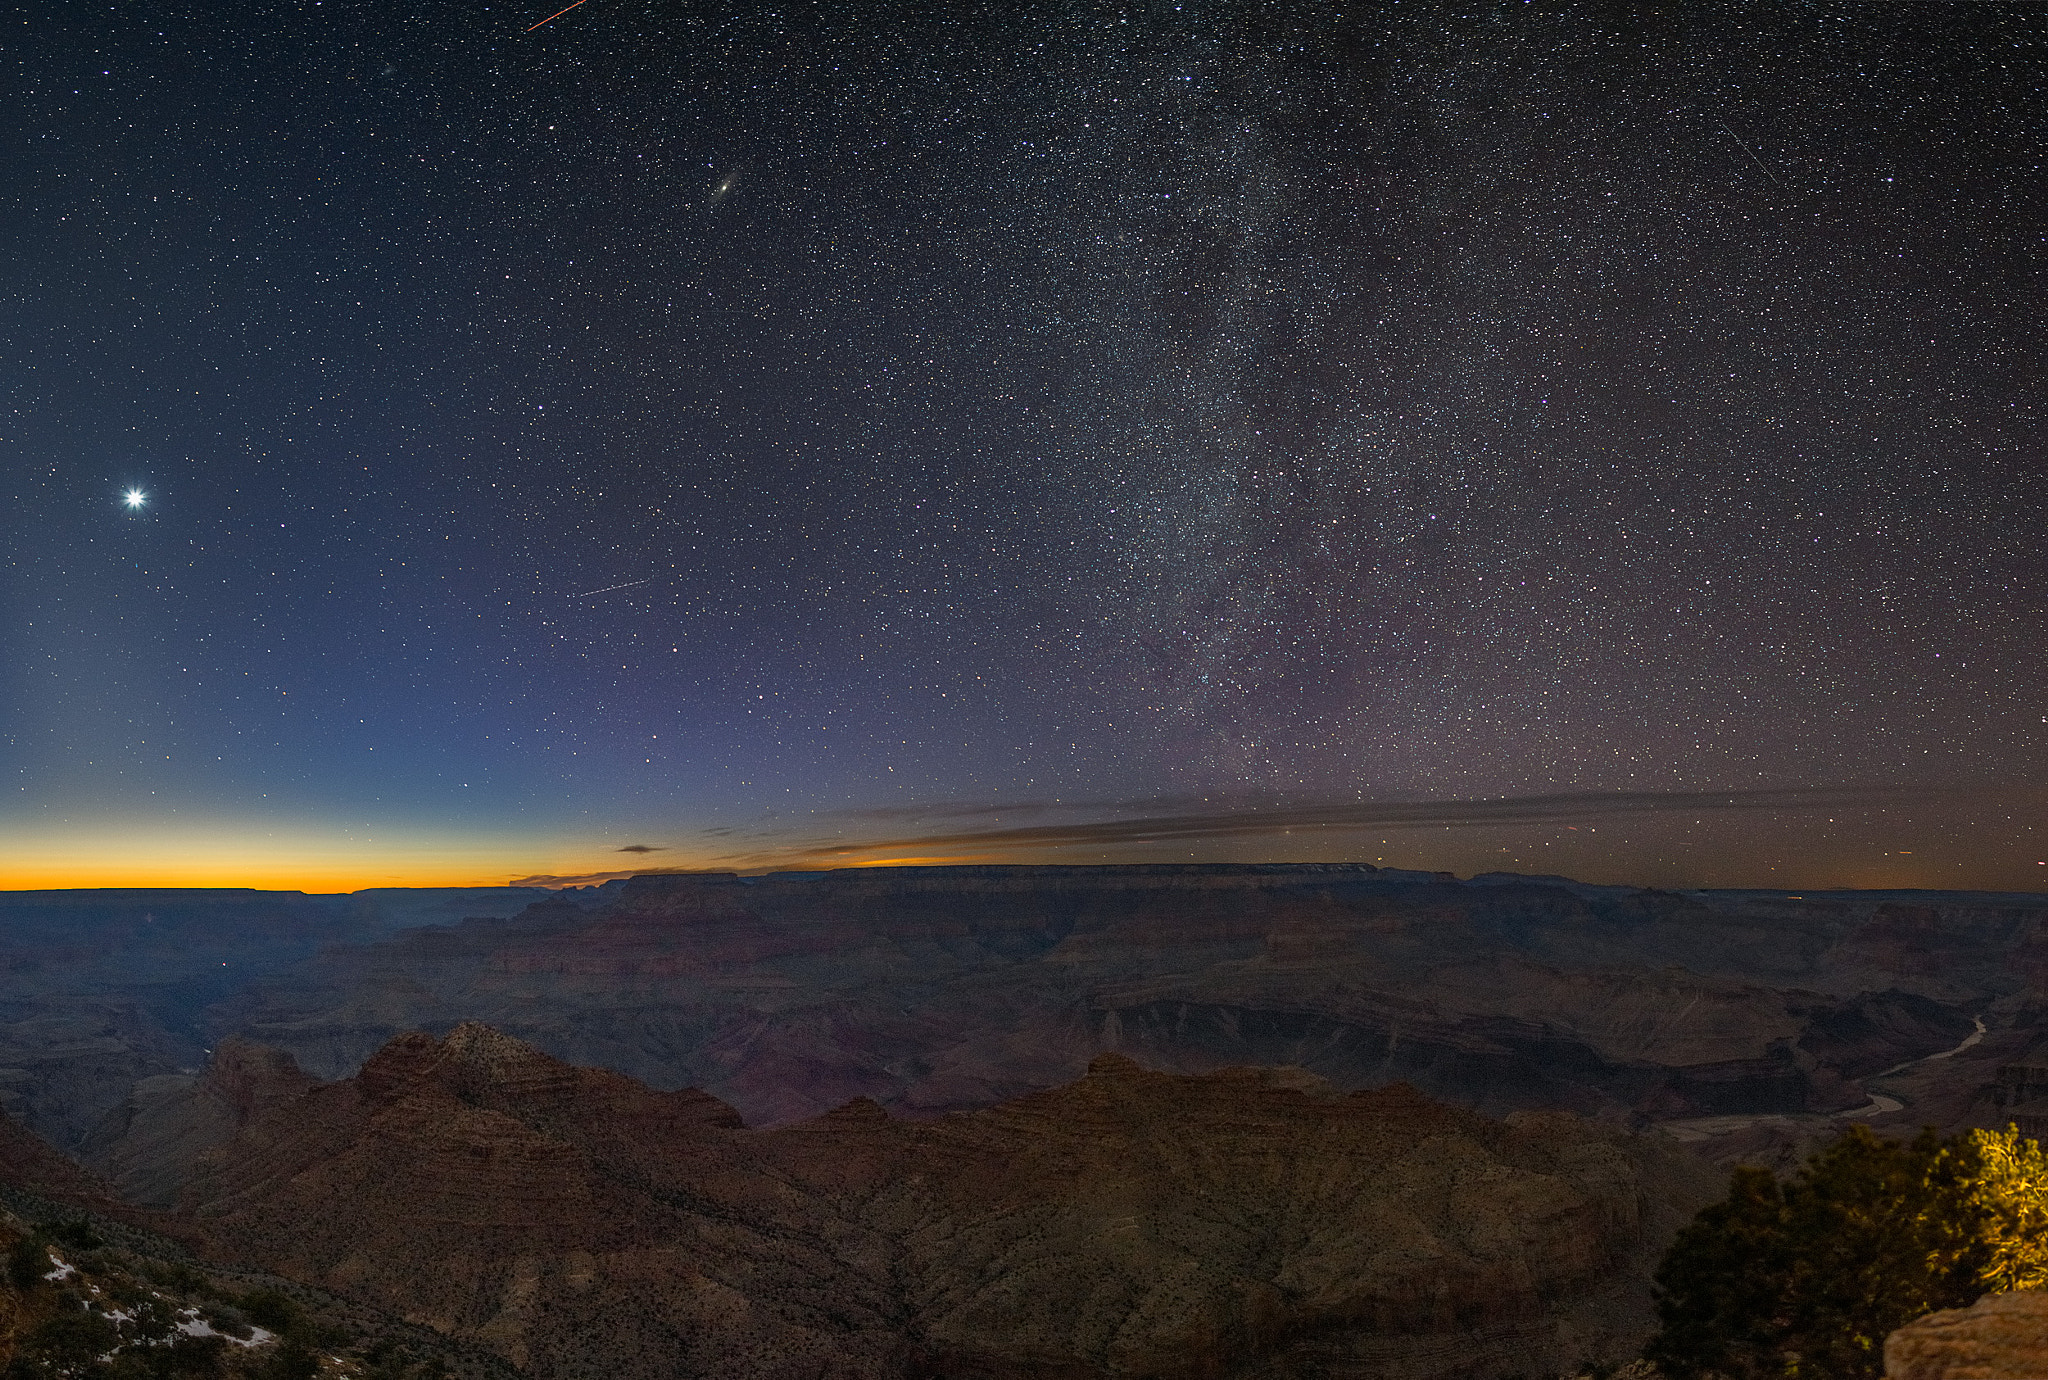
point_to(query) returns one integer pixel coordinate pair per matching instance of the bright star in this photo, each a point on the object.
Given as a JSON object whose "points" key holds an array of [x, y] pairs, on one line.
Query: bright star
{"points": [[134, 498]]}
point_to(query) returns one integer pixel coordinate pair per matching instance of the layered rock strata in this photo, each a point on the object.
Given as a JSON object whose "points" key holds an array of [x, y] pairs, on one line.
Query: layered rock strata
{"points": [[938, 989], [1240, 1223], [146, 1148]]}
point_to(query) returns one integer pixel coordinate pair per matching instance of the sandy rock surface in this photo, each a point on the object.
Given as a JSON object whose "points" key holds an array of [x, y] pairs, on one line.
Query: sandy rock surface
{"points": [[2000, 1337]]}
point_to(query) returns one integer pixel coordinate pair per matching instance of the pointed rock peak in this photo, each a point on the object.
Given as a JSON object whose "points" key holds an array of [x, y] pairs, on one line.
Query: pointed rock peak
{"points": [[1300, 1080], [710, 1111], [403, 1060], [473, 1058], [473, 1042], [1114, 1066], [481, 1063]]}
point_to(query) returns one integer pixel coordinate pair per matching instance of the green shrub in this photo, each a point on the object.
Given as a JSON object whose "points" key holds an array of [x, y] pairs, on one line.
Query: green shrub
{"points": [[28, 1260], [221, 1318], [271, 1309], [69, 1344], [288, 1360], [185, 1358], [183, 1278], [77, 1234]]}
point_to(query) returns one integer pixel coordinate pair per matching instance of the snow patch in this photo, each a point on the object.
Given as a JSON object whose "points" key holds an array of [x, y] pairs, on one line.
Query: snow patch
{"points": [[192, 1325]]}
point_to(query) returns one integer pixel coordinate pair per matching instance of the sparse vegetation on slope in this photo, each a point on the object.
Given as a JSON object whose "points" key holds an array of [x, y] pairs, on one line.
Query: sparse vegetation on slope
{"points": [[85, 1297]]}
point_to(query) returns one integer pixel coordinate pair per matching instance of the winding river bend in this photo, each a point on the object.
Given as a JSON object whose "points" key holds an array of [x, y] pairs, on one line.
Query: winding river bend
{"points": [[1706, 1127], [1880, 1104]]}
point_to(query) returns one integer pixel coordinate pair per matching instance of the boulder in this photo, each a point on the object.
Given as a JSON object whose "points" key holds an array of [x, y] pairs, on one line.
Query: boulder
{"points": [[2000, 1337]]}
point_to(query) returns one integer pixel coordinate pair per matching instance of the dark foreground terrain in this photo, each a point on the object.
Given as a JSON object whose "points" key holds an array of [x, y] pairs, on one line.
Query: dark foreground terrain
{"points": [[1246, 1222], [1235, 1120]]}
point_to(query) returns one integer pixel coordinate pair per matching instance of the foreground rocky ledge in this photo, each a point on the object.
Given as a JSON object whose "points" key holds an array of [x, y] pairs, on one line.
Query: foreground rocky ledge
{"points": [[1245, 1222], [2000, 1337]]}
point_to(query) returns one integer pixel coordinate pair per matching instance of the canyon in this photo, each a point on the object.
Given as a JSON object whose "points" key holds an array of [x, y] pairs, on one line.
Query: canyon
{"points": [[1243, 1222], [941, 989], [100, 989], [1002, 1121]]}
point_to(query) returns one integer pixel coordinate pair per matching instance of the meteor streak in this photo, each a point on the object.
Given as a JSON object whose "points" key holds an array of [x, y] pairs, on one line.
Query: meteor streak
{"points": [[553, 17]]}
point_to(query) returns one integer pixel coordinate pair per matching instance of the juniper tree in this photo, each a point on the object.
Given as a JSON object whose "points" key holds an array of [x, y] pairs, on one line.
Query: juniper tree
{"points": [[1805, 1278]]}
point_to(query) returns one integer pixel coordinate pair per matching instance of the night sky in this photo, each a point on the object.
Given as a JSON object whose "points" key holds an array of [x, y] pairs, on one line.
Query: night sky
{"points": [[1590, 439]]}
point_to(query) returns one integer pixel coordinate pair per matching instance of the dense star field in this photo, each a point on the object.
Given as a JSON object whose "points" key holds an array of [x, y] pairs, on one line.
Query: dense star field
{"points": [[741, 433]]}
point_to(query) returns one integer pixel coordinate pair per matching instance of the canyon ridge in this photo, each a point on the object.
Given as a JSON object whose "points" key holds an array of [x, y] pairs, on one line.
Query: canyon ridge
{"points": [[1003, 1121]]}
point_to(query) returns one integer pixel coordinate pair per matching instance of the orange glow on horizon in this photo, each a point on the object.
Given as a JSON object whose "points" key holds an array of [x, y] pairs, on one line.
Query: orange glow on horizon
{"points": [[323, 855], [221, 870], [269, 856]]}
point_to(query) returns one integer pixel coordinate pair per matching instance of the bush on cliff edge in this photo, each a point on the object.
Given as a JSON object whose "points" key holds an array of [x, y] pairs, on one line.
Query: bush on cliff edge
{"points": [[1805, 1278]]}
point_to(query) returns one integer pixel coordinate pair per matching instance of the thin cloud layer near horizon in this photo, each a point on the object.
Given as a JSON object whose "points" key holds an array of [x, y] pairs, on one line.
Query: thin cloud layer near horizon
{"points": [[445, 452]]}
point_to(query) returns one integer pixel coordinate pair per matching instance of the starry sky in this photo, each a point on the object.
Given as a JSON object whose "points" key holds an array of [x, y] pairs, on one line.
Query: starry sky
{"points": [[1566, 438]]}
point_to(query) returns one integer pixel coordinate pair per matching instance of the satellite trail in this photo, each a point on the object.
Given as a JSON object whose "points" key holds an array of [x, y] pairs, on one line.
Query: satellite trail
{"points": [[1724, 127], [609, 588]]}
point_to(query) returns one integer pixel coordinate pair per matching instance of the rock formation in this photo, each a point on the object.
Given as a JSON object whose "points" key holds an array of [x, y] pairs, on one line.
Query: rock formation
{"points": [[100, 989], [29, 1163], [1239, 1223], [2000, 1337], [147, 1146], [67, 1059], [937, 989]]}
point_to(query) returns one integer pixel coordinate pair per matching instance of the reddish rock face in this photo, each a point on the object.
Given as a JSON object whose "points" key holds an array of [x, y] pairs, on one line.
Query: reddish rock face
{"points": [[27, 1162], [1131, 1223], [31, 1164], [2000, 1337], [146, 1149]]}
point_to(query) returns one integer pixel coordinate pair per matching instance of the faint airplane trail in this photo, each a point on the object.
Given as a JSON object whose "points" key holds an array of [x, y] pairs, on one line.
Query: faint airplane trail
{"points": [[630, 583], [553, 17]]}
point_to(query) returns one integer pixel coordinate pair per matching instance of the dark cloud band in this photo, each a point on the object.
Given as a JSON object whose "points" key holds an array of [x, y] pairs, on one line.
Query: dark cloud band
{"points": [[1251, 822]]}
